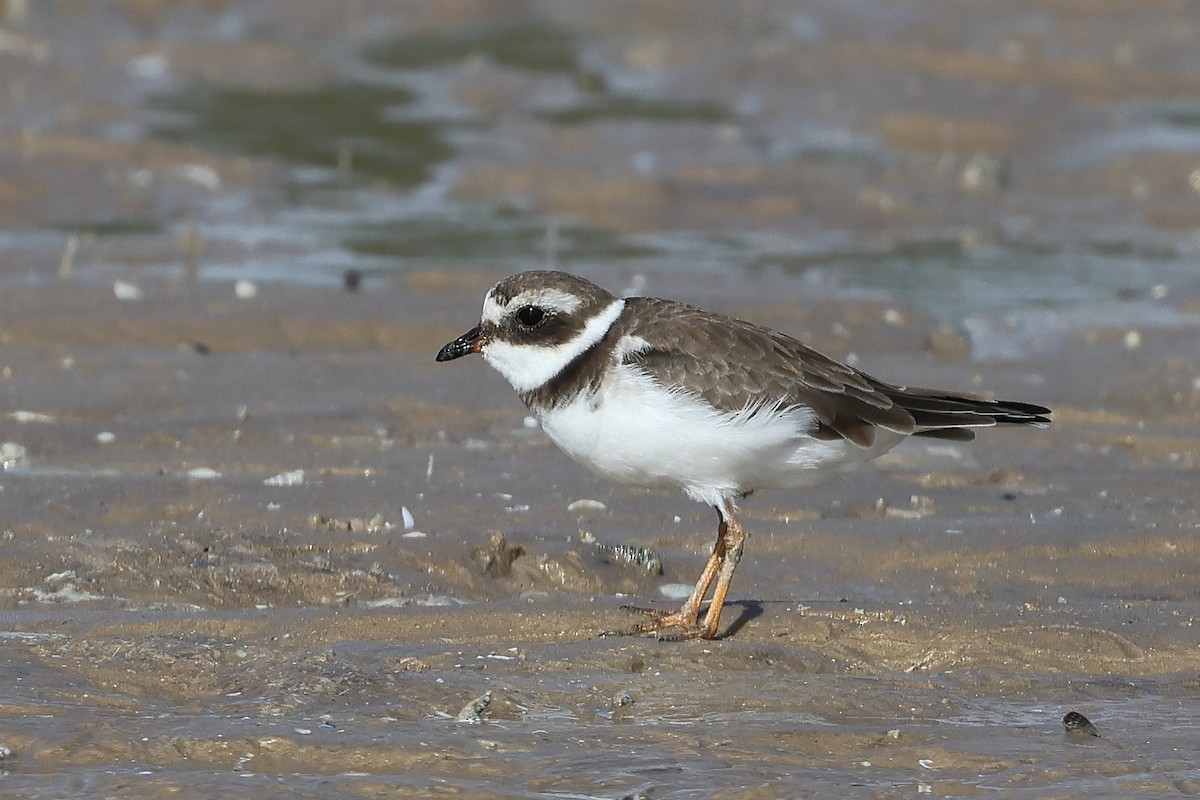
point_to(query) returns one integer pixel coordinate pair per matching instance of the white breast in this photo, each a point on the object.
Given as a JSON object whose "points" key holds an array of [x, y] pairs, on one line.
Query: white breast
{"points": [[635, 431]]}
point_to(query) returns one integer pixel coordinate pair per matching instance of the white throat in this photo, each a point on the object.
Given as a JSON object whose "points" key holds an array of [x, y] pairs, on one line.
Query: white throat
{"points": [[528, 366]]}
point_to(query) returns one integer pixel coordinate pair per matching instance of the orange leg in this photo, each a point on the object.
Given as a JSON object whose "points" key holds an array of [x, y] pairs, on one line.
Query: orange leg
{"points": [[727, 552], [734, 538]]}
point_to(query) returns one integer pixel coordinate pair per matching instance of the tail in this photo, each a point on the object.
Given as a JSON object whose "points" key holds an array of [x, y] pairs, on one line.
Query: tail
{"points": [[942, 415]]}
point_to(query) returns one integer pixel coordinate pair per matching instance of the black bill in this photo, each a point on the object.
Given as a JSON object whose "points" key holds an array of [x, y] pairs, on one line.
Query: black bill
{"points": [[470, 342]]}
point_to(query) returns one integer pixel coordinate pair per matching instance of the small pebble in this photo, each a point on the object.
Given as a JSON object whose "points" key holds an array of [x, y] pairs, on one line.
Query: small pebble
{"points": [[1074, 722], [642, 557], [497, 558], [472, 712], [11, 455]]}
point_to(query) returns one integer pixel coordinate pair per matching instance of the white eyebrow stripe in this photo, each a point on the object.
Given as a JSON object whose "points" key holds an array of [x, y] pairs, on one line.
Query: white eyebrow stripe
{"points": [[555, 299]]}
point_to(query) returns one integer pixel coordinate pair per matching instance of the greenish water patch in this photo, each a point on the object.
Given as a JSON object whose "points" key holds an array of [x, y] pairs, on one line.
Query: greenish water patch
{"points": [[849, 153], [534, 47], [488, 238], [117, 226], [1183, 118], [642, 109], [953, 280], [348, 129]]}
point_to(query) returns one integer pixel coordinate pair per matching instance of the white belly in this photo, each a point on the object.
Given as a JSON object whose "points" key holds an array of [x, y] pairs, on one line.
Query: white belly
{"points": [[634, 431]]}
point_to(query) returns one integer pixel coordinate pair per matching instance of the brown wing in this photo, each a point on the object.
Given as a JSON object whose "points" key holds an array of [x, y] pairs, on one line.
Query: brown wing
{"points": [[757, 367]]}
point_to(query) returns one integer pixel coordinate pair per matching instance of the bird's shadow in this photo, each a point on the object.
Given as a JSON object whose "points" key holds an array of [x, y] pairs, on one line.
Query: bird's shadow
{"points": [[747, 611]]}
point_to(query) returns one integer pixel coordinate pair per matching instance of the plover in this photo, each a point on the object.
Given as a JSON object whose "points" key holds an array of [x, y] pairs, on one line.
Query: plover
{"points": [[658, 393]]}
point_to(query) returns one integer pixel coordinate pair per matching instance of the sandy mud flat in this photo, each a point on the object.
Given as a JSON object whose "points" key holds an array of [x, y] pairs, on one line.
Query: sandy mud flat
{"points": [[255, 542]]}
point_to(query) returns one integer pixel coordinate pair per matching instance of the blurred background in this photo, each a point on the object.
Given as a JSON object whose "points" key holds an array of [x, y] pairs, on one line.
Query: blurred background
{"points": [[964, 157]]}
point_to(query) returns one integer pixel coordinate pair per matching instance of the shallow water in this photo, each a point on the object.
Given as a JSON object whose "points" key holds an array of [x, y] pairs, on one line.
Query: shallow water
{"points": [[942, 194]]}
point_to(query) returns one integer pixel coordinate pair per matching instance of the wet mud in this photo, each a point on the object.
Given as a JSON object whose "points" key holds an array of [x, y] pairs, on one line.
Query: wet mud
{"points": [[255, 542]]}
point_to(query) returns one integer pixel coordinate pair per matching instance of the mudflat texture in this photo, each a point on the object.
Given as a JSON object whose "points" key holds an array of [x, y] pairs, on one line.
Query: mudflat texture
{"points": [[254, 542]]}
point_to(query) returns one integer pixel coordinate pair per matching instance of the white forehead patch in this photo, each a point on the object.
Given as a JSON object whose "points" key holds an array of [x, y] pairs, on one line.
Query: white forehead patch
{"points": [[556, 299]]}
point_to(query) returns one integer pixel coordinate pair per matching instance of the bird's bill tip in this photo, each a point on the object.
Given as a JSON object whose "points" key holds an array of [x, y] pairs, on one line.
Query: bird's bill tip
{"points": [[470, 342]]}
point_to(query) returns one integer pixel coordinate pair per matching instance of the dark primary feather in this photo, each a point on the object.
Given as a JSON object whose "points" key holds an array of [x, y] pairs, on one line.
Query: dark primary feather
{"points": [[758, 367]]}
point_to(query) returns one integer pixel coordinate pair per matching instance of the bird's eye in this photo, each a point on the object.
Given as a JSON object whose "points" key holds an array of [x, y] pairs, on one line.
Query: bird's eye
{"points": [[530, 316]]}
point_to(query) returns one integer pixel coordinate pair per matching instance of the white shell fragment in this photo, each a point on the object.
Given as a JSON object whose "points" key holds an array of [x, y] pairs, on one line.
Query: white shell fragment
{"points": [[124, 290], [200, 174], [29, 416], [203, 474], [587, 505], [675, 591], [293, 478]]}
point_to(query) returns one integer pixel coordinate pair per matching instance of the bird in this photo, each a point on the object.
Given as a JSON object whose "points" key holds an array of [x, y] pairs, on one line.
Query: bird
{"points": [[658, 393]]}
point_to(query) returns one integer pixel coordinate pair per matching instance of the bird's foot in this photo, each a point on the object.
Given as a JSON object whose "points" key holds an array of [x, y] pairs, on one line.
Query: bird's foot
{"points": [[663, 626]]}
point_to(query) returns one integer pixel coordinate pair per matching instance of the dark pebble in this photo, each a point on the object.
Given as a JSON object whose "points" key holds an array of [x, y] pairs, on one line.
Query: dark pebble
{"points": [[1075, 722]]}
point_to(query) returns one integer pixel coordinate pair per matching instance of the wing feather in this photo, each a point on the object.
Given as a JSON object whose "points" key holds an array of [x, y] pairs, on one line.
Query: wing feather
{"points": [[735, 365]]}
